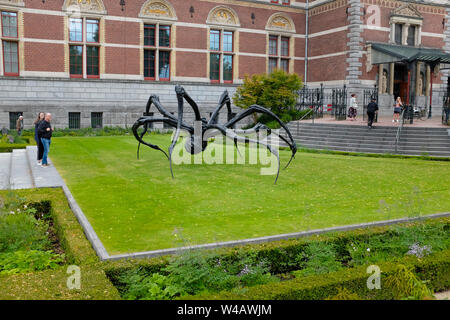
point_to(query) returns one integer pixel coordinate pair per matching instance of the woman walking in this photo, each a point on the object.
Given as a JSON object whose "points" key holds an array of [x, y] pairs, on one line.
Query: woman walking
{"points": [[397, 110], [352, 111], [40, 146]]}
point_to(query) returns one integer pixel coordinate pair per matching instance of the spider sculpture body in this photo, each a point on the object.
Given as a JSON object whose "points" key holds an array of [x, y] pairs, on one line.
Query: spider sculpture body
{"points": [[203, 129]]}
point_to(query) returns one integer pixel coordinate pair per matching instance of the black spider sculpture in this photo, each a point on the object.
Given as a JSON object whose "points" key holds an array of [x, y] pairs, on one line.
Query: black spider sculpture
{"points": [[196, 144]]}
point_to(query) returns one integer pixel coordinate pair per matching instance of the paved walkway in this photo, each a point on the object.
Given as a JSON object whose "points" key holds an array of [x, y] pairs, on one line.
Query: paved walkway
{"points": [[19, 170], [385, 121]]}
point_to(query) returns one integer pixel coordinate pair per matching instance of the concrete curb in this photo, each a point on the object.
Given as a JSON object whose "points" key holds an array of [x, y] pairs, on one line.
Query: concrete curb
{"points": [[87, 227], [156, 253]]}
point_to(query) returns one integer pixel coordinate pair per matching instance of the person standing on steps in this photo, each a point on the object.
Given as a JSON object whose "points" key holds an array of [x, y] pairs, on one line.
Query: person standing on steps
{"points": [[353, 110], [39, 145], [372, 109], [19, 125], [45, 131], [397, 109]]}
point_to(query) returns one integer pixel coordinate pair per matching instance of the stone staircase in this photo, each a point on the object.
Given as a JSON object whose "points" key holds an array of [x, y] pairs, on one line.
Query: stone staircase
{"points": [[19, 170], [352, 138]]}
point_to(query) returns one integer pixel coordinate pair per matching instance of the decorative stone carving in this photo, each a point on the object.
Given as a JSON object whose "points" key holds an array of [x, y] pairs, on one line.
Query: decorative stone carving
{"points": [[384, 82], [420, 84], [84, 6], [15, 3], [280, 22], [158, 9], [222, 15], [407, 11]]}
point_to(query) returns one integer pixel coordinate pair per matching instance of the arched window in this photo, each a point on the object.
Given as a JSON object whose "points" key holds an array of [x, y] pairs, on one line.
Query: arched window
{"points": [[223, 22], [157, 16], [280, 28]]}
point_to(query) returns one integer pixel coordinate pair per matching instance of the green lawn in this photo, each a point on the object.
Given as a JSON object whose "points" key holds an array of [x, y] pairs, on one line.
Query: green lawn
{"points": [[135, 205]]}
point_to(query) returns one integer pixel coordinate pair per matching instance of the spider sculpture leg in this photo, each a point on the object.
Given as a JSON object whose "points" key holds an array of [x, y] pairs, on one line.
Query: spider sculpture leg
{"points": [[146, 120], [181, 96], [258, 109], [229, 133]]}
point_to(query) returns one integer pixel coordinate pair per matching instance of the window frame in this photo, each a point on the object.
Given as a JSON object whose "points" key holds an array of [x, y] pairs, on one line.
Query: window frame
{"points": [[153, 27], [82, 30], [10, 74], [154, 63], [157, 48], [159, 64], [10, 39], [77, 76], [279, 57], [222, 53], [96, 76], [98, 25], [159, 33], [78, 120], [17, 24]]}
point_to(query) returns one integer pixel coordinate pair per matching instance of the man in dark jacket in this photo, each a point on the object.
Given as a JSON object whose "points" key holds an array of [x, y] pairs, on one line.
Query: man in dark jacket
{"points": [[45, 131], [372, 108]]}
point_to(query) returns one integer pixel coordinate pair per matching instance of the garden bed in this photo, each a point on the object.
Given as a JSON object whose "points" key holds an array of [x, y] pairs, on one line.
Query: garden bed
{"points": [[66, 236], [322, 264]]}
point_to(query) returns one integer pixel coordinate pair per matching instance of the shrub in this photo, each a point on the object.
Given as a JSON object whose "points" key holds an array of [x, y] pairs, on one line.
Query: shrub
{"points": [[318, 258], [21, 231], [276, 92], [27, 261], [405, 285], [152, 287]]}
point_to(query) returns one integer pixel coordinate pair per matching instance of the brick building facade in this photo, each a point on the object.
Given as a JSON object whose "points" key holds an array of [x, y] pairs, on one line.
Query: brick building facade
{"points": [[96, 62]]}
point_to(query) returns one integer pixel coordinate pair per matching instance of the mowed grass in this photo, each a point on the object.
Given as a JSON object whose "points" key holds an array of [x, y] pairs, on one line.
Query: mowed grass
{"points": [[135, 205]]}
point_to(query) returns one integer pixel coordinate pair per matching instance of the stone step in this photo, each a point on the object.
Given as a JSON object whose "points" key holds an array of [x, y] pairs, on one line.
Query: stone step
{"points": [[367, 131], [376, 150], [5, 169], [44, 177], [374, 140], [20, 175]]}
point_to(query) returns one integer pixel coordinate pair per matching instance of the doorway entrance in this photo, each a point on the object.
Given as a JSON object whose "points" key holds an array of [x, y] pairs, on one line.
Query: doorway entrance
{"points": [[400, 81]]}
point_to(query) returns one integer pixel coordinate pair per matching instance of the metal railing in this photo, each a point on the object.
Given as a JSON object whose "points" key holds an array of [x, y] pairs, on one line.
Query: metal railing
{"points": [[304, 116], [399, 130]]}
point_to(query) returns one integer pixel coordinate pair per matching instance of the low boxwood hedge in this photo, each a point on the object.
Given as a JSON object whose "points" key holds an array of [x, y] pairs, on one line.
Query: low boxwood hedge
{"points": [[435, 269], [279, 255]]}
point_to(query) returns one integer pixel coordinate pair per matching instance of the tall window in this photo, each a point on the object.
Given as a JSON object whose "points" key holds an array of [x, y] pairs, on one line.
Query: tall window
{"points": [[411, 41], [10, 43], [84, 47], [157, 52], [279, 55], [221, 46], [398, 33]]}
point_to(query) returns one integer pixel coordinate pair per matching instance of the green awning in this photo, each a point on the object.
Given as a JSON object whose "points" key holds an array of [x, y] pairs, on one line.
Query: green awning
{"points": [[386, 53]]}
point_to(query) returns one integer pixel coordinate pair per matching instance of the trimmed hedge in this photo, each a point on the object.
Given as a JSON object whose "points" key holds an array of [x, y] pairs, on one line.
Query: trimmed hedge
{"points": [[8, 147], [434, 268], [280, 255]]}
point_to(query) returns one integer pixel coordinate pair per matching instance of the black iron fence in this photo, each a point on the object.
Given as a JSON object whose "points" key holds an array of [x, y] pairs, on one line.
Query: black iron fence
{"points": [[311, 99], [321, 100], [339, 103]]}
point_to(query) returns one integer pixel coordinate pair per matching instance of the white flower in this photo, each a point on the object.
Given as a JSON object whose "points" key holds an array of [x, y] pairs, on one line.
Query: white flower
{"points": [[12, 212], [368, 249], [25, 206], [18, 210]]}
